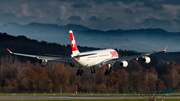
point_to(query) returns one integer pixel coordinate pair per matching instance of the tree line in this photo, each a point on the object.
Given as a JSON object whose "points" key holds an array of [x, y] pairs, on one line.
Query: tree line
{"points": [[17, 76]]}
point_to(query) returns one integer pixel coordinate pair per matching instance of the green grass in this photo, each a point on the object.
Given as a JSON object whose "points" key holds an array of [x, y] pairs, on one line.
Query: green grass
{"points": [[90, 100], [103, 100]]}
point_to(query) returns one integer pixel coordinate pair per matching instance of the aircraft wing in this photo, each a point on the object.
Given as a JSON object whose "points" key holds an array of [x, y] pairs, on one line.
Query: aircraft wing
{"points": [[127, 58], [51, 58]]}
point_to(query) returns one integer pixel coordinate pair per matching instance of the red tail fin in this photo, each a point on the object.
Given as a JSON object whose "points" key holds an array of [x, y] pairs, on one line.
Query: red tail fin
{"points": [[73, 43]]}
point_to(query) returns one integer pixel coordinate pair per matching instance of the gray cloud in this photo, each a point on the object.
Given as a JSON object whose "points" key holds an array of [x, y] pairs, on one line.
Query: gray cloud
{"points": [[74, 18], [109, 18], [100, 2], [178, 14], [127, 10], [81, 5], [154, 6], [94, 18], [25, 9], [89, 13]]}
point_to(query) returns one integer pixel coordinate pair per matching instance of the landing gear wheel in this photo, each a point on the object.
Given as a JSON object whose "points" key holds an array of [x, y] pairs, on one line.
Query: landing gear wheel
{"points": [[110, 71], [93, 70], [79, 72], [107, 72], [111, 68], [82, 71]]}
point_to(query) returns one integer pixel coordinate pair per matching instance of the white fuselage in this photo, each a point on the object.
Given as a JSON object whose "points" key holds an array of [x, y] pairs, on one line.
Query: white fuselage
{"points": [[96, 59]]}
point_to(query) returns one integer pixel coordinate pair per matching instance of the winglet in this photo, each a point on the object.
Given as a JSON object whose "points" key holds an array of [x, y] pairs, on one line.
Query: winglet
{"points": [[165, 48], [9, 50]]}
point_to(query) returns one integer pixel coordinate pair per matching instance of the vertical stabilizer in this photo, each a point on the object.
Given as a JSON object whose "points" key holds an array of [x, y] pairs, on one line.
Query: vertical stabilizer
{"points": [[75, 50]]}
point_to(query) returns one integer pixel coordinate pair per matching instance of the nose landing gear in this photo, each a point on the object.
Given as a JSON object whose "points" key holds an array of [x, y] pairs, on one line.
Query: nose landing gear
{"points": [[93, 69], [108, 70]]}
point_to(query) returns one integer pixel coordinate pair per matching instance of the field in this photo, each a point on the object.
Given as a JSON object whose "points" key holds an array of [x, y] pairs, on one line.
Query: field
{"points": [[85, 97], [85, 100], [103, 100]]}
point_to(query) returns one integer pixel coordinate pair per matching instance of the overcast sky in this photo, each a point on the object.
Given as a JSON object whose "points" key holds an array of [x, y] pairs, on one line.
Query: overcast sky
{"points": [[95, 14]]}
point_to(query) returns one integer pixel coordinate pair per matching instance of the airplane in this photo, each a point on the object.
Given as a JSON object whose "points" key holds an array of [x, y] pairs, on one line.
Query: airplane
{"points": [[91, 59]]}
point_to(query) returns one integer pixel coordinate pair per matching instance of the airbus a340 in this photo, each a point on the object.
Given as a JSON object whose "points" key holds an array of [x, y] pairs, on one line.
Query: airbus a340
{"points": [[91, 59]]}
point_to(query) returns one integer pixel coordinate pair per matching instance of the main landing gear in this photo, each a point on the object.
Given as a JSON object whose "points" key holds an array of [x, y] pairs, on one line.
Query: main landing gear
{"points": [[108, 70], [93, 69], [79, 71]]}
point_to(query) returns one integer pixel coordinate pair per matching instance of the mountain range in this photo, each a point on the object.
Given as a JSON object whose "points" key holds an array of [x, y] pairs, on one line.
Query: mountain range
{"points": [[141, 40]]}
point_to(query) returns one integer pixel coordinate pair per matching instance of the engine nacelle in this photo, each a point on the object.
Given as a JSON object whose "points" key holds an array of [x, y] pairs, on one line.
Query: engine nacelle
{"points": [[43, 62], [71, 64], [146, 59], [124, 63]]}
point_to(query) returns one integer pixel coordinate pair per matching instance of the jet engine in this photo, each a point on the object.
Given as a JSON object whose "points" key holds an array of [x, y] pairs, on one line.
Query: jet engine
{"points": [[124, 63], [71, 64], [43, 62], [146, 59]]}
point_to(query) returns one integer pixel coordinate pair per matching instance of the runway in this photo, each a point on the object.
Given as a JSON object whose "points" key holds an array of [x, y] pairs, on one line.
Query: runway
{"points": [[86, 97]]}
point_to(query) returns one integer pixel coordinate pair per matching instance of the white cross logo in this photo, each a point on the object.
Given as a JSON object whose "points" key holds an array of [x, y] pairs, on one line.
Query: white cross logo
{"points": [[73, 42]]}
